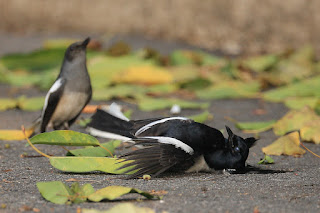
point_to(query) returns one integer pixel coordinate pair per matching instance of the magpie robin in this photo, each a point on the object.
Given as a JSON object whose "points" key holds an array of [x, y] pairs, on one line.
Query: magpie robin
{"points": [[71, 91], [172, 143]]}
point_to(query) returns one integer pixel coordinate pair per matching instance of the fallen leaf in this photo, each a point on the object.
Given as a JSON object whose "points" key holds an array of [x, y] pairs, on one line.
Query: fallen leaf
{"points": [[311, 131], [202, 117], [54, 191], [119, 91], [260, 63], [114, 192], [30, 104], [146, 75], [102, 69], [6, 103], [294, 120], [231, 89], [89, 164], [255, 126], [123, 207], [90, 109], [65, 138], [285, 145], [37, 60], [305, 88], [266, 160], [300, 102], [96, 151], [15, 135]]}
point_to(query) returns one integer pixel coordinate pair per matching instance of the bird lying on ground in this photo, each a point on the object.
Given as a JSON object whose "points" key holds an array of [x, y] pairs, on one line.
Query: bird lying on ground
{"points": [[172, 143], [71, 91]]}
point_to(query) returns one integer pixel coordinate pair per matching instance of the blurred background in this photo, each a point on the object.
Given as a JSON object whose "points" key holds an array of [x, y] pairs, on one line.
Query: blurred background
{"points": [[234, 27]]}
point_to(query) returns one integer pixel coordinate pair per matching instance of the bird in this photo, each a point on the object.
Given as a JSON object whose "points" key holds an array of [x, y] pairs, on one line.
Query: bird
{"points": [[70, 92], [171, 143]]}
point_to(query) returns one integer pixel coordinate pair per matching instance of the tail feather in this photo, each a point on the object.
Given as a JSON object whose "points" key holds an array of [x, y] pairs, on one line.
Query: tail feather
{"points": [[107, 125]]}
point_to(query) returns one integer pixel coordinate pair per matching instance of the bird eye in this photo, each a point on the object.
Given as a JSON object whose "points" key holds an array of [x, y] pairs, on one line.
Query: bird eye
{"points": [[236, 149]]}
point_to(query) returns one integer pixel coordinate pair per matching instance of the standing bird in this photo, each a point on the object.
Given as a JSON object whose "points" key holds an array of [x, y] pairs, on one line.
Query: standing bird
{"points": [[71, 91], [173, 143]]}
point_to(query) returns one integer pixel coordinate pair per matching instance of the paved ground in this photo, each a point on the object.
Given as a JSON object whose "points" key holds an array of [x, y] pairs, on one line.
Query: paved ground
{"points": [[289, 185]]}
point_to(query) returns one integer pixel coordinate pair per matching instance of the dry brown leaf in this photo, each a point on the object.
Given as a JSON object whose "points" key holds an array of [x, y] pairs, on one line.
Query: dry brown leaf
{"points": [[285, 145], [90, 109]]}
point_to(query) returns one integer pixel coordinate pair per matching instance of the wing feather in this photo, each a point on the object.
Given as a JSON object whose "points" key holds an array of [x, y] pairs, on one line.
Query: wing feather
{"points": [[51, 102]]}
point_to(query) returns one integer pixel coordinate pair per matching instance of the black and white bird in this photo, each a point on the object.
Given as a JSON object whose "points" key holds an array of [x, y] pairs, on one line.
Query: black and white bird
{"points": [[71, 91], [172, 143]]}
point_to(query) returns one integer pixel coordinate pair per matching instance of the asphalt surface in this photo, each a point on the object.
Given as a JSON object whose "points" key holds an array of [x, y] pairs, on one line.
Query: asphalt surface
{"points": [[289, 185]]}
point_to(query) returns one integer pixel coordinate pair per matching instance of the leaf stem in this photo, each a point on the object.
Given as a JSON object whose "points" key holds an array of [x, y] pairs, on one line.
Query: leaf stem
{"points": [[35, 148], [106, 150]]}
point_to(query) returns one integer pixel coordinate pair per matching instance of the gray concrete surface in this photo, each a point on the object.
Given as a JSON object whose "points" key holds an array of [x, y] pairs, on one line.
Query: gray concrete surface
{"points": [[289, 185]]}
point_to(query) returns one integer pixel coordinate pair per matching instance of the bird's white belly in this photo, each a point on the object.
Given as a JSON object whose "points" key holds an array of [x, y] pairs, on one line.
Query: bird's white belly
{"points": [[68, 107], [199, 166]]}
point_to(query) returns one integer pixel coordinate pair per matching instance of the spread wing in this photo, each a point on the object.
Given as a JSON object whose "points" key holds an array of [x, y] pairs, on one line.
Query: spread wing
{"points": [[51, 102], [158, 155]]}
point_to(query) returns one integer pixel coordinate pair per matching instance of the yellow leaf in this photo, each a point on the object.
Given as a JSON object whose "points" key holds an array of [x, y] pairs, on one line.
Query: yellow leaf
{"points": [[295, 120], [15, 135], [144, 75], [311, 132], [285, 145]]}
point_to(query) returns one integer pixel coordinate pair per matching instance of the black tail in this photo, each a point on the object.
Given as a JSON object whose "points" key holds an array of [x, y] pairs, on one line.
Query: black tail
{"points": [[106, 125]]}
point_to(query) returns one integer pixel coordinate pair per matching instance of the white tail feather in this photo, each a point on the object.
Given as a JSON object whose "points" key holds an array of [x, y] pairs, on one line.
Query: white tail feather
{"points": [[115, 110], [177, 143], [108, 135]]}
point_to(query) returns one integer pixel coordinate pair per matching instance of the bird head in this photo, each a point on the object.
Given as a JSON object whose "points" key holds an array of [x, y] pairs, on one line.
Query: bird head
{"points": [[77, 49], [233, 155]]}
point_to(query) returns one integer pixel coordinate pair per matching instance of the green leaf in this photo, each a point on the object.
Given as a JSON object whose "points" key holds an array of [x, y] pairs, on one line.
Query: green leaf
{"points": [[196, 84], [300, 102], [89, 164], [266, 160], [65, 138], [202, 117], [256, 127], [230, 89], [96, 151], [6, 103], [306, 88], [83, 122], [34, 61], [102, 69], [114, 192], [261, 63], [123, 207], [30, 104], [80, 193], [149, 104], [54, 191], [119, 91]]}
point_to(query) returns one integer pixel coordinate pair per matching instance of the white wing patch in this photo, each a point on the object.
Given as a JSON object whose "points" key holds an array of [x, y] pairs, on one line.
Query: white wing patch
{"points": [[148, 126], [57, 84], [115, 110], [109, 135], [177, 143], [199, 166]]}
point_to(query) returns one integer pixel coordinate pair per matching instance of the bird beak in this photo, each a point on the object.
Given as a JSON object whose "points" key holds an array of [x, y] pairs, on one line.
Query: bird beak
{"points": [[86, 42], [230, 134]]}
